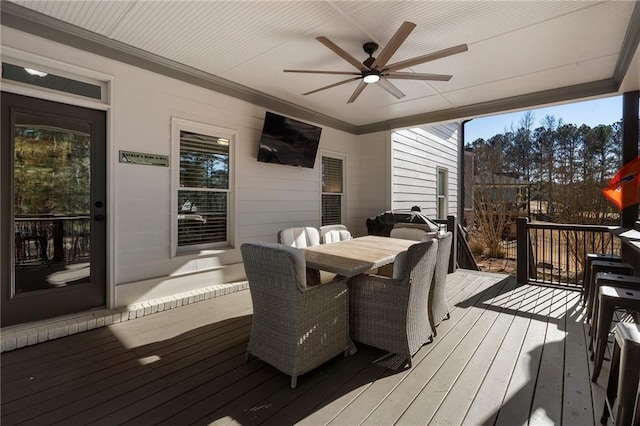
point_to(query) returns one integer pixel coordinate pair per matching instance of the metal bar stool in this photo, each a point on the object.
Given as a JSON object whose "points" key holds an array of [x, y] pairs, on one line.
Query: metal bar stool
{"points": [[622, 389], [611, 280], [586, 275], [603, 266], [611, 298]]}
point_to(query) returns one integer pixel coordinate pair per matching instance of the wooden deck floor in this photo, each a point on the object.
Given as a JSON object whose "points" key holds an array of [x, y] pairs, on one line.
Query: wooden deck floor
{"points": [[509, 355]]}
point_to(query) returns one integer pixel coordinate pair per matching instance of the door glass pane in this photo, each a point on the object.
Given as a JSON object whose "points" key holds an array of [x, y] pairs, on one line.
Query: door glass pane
{"points": [[52, 178]]}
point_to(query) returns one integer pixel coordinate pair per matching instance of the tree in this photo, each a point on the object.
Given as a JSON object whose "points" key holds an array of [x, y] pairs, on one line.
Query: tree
{"points": [[567, 165], [52, 171], [520, 152]]}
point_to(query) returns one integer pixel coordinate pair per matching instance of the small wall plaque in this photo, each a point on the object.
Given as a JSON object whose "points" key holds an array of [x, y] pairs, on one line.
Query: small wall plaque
{"points": [[144, 159]]}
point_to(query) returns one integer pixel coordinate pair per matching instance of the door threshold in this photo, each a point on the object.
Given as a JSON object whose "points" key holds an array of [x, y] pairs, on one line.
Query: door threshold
{"points": [[27, 334]]}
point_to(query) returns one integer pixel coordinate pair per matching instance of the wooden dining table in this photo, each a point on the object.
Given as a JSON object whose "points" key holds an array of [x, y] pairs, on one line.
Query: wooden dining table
{"points": [[356, 256]]}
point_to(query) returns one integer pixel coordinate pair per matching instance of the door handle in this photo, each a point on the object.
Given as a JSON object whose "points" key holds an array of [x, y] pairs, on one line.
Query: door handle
{"points": [[99, 218]]}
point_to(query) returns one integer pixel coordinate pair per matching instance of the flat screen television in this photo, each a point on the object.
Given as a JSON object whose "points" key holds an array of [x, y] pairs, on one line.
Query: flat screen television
{"points": [[288, 141]]}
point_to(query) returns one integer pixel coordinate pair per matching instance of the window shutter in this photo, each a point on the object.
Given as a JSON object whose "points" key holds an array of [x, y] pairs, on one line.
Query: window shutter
{"points": [[204, 186], [202, 217], [332, 189], [204, 161], [332, 175], [331, 209]]}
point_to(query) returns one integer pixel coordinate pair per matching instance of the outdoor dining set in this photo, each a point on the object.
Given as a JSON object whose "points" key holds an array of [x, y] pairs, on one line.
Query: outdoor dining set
{"points": [[318, 292]]}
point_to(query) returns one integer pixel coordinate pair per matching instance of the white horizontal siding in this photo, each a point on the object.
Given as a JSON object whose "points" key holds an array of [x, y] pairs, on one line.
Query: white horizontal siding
{"points": [[268, 197], [373, 193], [416, 155]]}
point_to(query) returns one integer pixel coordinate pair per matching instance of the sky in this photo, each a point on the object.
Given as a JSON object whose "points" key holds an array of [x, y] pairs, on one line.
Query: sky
{"points": [[592, 113]]}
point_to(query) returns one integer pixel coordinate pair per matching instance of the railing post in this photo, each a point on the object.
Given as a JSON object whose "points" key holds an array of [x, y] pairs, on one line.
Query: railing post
{"points": [[522, 238], [452, 226]]}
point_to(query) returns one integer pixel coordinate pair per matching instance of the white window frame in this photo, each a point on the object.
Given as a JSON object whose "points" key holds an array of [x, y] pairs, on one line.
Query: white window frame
{"points": [[178, 125], [445, 196], [343, 198]]}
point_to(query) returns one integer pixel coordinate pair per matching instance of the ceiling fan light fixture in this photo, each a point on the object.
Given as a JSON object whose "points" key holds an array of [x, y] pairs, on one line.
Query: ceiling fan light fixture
{"points": [[371, 78]]}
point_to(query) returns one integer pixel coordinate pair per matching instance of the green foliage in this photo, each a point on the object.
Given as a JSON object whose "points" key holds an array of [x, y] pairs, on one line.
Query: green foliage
{"points": [[52, 171], [567, 165]]}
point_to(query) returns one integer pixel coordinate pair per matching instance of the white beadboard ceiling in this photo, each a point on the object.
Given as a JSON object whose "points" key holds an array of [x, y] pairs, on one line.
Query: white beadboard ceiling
{"points": [[518, 50]]}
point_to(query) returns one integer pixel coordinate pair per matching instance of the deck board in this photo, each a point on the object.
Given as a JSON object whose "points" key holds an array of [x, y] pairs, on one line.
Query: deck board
{"points": [[460, 397], [452, 363], [386, 406], [366, 402], [577, 402], [508, 355], [515, 408], [489, 397], [547, 400]]}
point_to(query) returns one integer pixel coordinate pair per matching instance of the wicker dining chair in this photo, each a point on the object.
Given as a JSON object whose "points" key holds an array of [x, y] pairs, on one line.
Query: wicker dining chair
{"points": [[300, 237], [391, 313], [438, 308], [334, 233], [295, 327]]}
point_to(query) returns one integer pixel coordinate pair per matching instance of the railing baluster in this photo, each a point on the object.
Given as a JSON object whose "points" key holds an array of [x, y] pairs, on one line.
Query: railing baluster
{"points": [[559, 251], [544, 255]]}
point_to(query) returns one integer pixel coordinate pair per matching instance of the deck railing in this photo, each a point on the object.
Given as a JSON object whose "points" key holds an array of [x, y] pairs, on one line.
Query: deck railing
{"points": [[553, 254], [52, 239]]}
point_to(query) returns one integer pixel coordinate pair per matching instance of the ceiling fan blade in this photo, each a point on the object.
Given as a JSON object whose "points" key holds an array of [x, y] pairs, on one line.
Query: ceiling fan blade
{"points": [[333, 85], [338, 50], [418, 76], [357, 92], [391, 88], [324, 72], [426, 58], [398, 38]]}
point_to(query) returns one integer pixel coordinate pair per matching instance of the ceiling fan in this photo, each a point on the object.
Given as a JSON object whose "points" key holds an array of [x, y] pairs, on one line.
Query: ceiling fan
{"points": [[376, 70]]}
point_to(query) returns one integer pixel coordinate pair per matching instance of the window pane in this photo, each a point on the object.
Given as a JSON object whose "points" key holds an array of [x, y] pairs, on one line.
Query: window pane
{"points": [[331, 209], [202, 217], [204, 161], [442, 182], [442, 208], [331, 175], [51, 81]]}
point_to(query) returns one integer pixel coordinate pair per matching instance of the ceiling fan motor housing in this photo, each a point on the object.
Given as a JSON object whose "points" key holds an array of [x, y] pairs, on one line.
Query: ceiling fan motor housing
{"points": [[369, 48]]}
